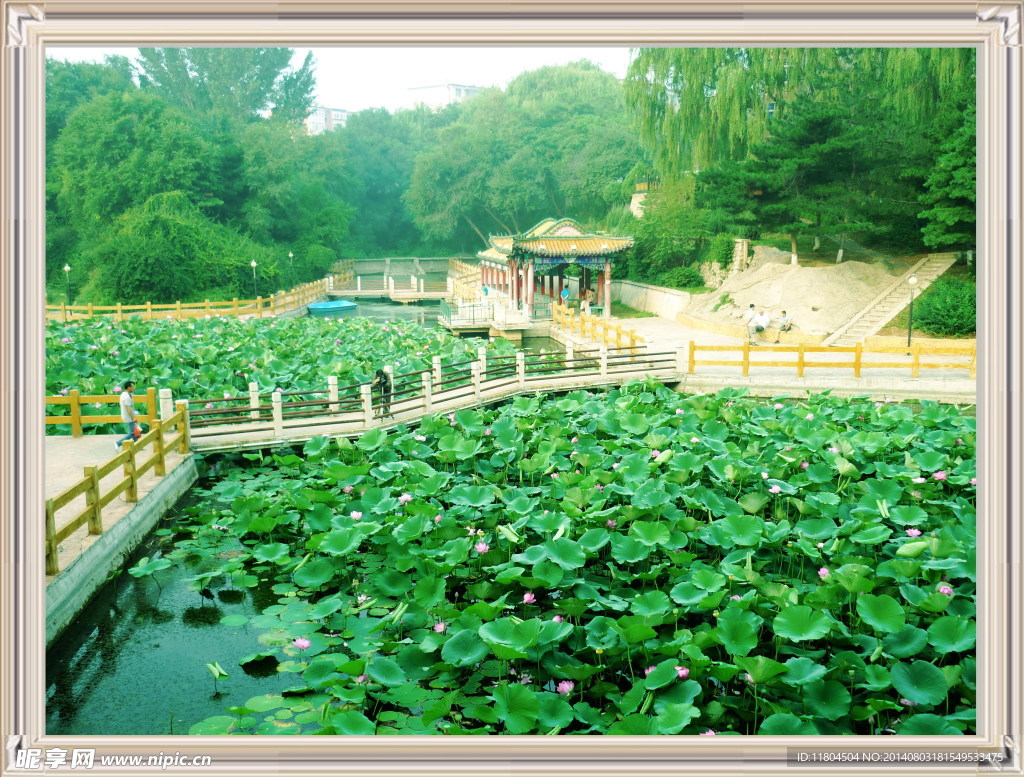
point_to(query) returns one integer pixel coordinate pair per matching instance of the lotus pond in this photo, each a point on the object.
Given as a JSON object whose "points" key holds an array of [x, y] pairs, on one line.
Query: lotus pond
{"points": [[633, 561]]}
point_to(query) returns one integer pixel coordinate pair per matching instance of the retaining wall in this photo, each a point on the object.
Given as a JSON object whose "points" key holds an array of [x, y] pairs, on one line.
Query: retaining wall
{"points": [[71, 591], [667, 303], [740, 331]]}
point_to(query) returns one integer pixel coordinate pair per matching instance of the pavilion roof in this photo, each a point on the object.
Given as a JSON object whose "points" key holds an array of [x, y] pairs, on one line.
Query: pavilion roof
{"points": [[554, 238]]}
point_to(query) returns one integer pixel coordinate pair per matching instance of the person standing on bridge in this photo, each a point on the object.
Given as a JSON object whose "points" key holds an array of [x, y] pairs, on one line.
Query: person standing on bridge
{"points": [[128, 416], [382, 385]]}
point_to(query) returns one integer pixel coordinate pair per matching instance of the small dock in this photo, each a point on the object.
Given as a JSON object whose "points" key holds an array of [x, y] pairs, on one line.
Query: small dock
{"points": [[404, 289]]}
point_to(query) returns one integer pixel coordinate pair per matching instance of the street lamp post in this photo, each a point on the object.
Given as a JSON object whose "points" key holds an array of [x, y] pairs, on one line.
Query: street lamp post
{"points": [[291, 267], [252, 264], [912, 282], [67, 277]]}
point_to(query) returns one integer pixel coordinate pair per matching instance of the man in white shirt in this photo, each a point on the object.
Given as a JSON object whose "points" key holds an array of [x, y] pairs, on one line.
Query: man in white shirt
{"points": [[127, 413], [748, 321]]}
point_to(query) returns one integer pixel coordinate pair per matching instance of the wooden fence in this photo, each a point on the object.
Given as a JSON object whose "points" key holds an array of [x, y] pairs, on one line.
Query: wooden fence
{"points": [[594, 328], [281, 302], [856, 358], [134, 465], [76, 401], [443, 387]]}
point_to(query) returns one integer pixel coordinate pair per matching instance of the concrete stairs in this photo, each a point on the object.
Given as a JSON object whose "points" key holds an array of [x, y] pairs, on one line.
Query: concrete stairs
{"points": [[890, 301]]}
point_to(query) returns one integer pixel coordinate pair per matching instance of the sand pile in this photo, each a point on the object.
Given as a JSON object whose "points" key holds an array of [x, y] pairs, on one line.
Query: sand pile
{"points": [[818, 299]]}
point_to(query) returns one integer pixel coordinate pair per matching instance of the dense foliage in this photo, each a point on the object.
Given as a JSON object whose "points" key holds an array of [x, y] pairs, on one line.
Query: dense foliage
{"points": [[208, 357], [632, 562], [949, 307]]}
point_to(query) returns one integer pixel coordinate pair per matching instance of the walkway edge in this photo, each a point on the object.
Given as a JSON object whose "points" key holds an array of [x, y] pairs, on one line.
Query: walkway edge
{"points": [[75, 586]]}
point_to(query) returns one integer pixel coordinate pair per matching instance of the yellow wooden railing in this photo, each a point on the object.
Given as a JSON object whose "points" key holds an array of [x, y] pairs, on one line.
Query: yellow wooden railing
{"points": [[594, 328], [344, 272], [805, 357], [281, 302], [135, 464], [76, 401]]}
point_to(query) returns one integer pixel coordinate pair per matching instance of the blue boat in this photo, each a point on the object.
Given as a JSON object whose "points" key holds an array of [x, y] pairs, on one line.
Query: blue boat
{"points": [[341, 307]]}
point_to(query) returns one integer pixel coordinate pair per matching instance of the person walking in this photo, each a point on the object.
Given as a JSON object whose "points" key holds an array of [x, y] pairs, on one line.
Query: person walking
{"points": [[748, 322], [382, 384], [585, 298], [128, 416]]}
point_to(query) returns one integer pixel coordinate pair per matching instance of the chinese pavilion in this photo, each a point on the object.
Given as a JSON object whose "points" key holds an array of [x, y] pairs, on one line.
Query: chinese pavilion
{"points": [[521, 265]]}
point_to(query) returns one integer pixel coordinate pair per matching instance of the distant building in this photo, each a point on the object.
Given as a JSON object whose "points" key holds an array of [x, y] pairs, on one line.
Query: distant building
{"points": [[440, 95], [326, 119]]}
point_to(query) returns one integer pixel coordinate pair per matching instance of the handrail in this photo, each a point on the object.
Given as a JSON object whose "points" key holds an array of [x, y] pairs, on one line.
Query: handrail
{"points": [[97, 497]]}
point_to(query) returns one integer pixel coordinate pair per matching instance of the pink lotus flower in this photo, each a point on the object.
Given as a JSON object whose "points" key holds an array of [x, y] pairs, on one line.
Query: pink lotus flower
{"points": [[821, 544], [833, 449], [615, 465], [810, 416], [599, 487], [823, 573], [420, 438], [804, 465], [554, 474], [915, 494], [709, 733], [437, 518], [361, 598], [347, 489], [529, 598], [655, 453], [405, 498], [575, 440], [679, 411], [558, 619], [695, 439], [682, 672], [361, 679], [648, 670], [908, 703], [940, 475], [788, 448], [974, 481], [729, 404], [913, 532], [959, 441], [65, 391], [301, 643], [611, 523], [917, 480], [775, 489], [487, 432], [565, 687], [481, 547], [356, 515], [748, 677], [65, 339], [764, 476], [440, 627], [209, 405], [778, 406], [735, 597], [945, 589]]}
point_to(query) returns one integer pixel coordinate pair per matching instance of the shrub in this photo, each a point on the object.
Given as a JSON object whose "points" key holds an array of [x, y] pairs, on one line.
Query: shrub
{"points": [[720, 249], [687, 277], [948, 307]]}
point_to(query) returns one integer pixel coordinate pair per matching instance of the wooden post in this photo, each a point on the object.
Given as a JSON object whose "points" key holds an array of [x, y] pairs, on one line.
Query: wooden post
{"points": [[166, 404], [746, 358], [693, 357], [185, 441], [800, 363], [208, 312], [119, 316], [569, 356], [684, 356], [150, 405], [76, 412], [132, 494], [254, 401], [481, 354], [421, 285], [92, 312], [428, 393], [332, 392], [52, 568], [521, 368], [435, 362], [364, 391], [278, 413], [474, 369], [259, 307], [857, 360], [974, 362], [607, 288], [177, 310], [64, 312], [916, 366], [158, 447], [604, 360], [234, 307], [149, 311]]}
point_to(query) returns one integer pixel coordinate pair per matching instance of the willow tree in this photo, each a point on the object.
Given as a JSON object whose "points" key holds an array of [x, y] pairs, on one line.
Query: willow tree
{"points": [[695, 107]]}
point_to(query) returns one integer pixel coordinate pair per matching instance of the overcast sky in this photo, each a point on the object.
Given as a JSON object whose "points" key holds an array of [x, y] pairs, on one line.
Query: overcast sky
{"points": [[355, 78]]}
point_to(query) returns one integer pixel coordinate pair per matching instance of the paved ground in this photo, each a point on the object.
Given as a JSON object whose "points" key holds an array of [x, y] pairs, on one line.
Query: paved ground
{"points": [[65, 459]]}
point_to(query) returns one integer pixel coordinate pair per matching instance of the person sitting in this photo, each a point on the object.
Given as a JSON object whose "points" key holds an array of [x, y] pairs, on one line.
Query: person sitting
{"points": [[761, 321], [785, 324]]}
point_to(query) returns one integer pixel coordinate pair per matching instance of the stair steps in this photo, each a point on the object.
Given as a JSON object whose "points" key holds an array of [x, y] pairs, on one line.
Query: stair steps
{"points": [[890, 301]]}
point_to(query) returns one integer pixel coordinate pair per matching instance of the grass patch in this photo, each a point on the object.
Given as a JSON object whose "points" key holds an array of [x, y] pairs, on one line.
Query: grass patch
{"points": [[620, 310]]}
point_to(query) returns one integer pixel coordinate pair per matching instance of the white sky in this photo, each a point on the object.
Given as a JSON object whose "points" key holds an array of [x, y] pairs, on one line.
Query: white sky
{"points": [[354, 78]]}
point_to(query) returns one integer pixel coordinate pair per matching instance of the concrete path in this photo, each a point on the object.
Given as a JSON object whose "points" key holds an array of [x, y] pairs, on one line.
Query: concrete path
{"points": [[66, 458]]}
